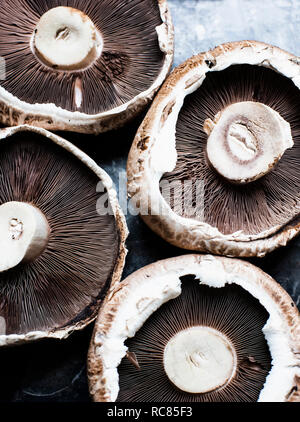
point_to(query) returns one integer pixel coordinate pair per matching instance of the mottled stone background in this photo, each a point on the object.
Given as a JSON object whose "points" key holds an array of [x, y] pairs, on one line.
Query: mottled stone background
{"points": [[53, 371]]}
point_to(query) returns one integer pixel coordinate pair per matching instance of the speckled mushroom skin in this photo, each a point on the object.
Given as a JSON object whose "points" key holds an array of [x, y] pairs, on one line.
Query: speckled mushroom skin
{"points": [[64, 332], [48, 116], [153, 153], [129, 304]]}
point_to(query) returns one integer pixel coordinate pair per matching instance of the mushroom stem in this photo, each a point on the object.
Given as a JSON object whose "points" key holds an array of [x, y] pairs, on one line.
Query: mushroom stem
{"points": [[24, 233], [66, 39], [199, 359], [246, 140]]}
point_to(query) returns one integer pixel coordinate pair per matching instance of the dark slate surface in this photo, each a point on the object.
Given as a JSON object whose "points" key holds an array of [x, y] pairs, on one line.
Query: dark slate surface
{"points": [[55, 371]]}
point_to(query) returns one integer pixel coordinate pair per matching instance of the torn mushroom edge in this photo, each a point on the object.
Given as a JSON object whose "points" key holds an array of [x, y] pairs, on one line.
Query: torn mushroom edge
{"points": [[128, 306], [121, 227], [155, 140], [49, 116]]}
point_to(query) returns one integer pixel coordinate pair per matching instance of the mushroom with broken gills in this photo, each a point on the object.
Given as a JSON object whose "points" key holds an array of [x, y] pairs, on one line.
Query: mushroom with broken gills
{"points": [[196, 328], [85, 66], [62, 236], [228, 121]]}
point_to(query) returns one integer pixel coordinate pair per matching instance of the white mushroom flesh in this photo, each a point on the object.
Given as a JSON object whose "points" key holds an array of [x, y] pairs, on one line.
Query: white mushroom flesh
{"points": [[66, 39], [199, 360], [246, 140], [24, 233]]}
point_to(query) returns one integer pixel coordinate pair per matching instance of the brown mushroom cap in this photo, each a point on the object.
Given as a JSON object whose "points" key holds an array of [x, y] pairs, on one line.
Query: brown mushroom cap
{"points": [[163, 299], [109, 87], [229, 218], [59, 289]]}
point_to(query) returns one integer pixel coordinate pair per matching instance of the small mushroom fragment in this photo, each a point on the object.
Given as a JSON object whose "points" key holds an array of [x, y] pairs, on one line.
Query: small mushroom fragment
{"points": [[201, 329], [86, 66], [60, 252], [215, 165]]}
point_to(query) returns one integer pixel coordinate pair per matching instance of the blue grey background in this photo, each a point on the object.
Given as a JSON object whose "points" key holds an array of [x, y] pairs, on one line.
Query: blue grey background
{"points": [[203, 24], [53, 371]]}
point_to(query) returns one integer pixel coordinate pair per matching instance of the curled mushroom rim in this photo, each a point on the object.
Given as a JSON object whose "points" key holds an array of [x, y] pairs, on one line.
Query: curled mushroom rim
{"points": [[128, 307], [90, 314], [155, 141]]}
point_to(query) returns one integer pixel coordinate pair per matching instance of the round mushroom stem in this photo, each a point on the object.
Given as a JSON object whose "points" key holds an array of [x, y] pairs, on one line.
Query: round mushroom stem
{"points": [[24, 234], [246, 140], [199, 360], [66, 39]]}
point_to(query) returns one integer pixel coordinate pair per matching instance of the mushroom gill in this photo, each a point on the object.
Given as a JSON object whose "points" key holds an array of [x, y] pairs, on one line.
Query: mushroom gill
{"points": [[271, 200], [64, 282], [125, 62], [230, 311]]}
